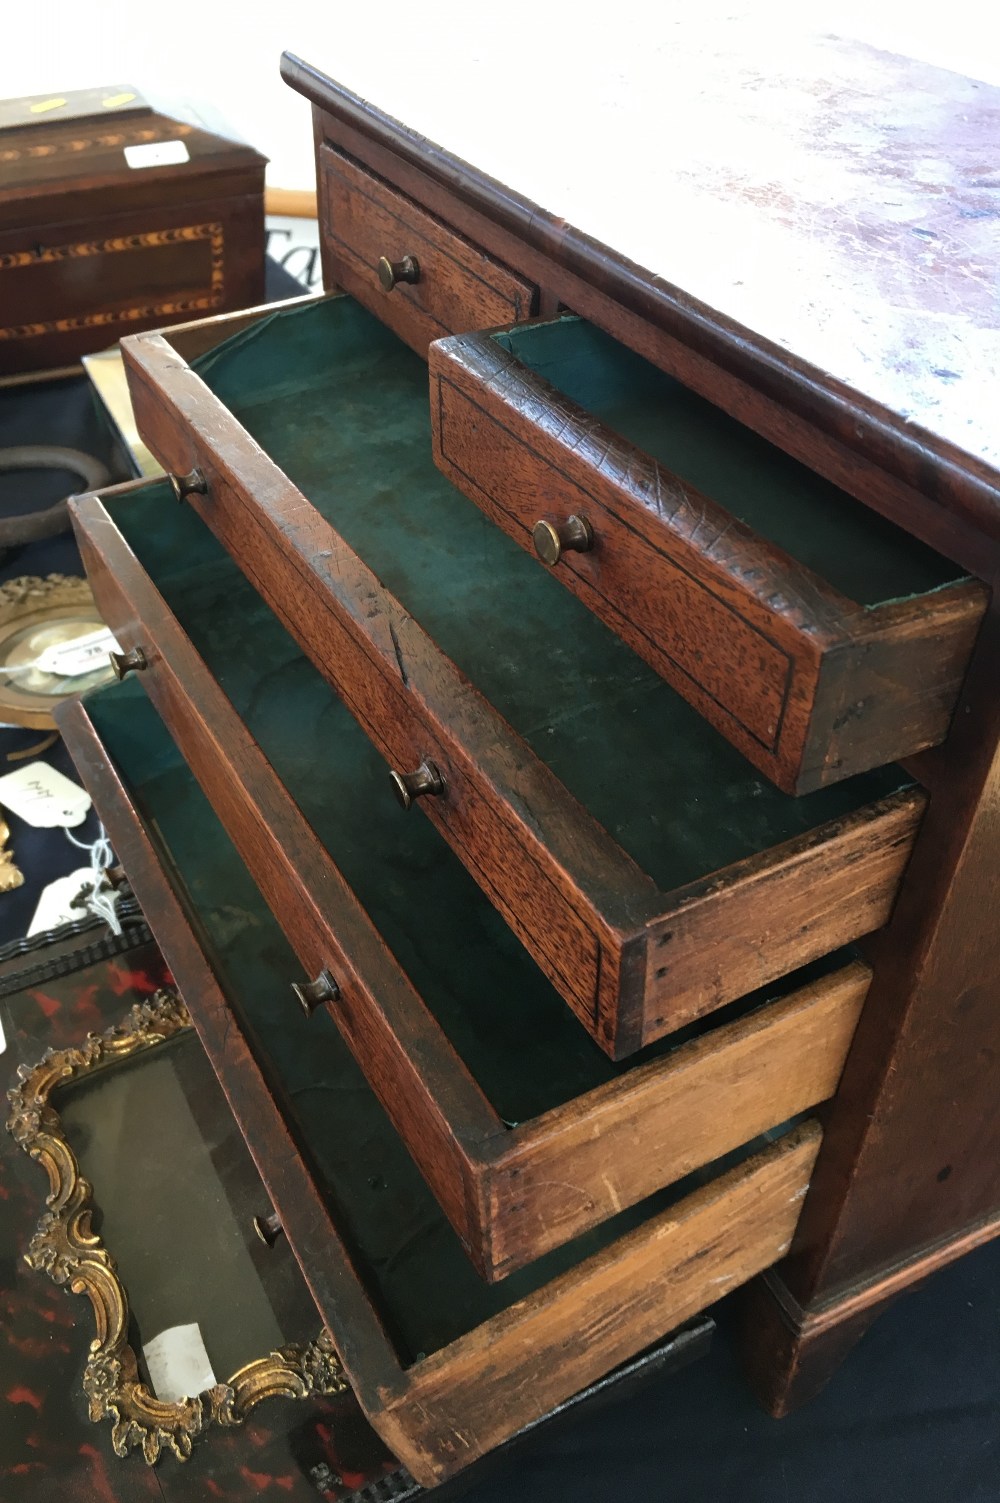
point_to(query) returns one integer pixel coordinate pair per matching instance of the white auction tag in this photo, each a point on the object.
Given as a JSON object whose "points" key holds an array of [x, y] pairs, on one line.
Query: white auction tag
{"points": [[43, 797], [82, 655], [157, 154], [55, 904], [178, 1364]]}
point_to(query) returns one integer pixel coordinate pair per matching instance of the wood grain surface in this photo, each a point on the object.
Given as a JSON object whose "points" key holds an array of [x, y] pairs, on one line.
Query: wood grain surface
{"points": [[458, 286], [909, 1179], [810, 685]]}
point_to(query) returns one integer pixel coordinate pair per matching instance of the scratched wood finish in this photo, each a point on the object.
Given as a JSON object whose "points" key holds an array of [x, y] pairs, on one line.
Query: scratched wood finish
{"points": [[811, 686], [91, 248], [923, 1070], [511, 1193], [588, 914], [919, 477], [458, 286], [444, 1410]]}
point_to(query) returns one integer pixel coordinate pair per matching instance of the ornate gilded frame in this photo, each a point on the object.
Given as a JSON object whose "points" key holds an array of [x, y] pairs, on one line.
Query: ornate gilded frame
{"points": [[65, 1247]]}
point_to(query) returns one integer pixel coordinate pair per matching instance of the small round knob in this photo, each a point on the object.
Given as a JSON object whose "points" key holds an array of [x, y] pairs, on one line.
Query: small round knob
{"points": [[551, 538], [124, 663], [268, 1228], [420, 784], [312, 994], [191, 484], [391, 272], [117, 878]]}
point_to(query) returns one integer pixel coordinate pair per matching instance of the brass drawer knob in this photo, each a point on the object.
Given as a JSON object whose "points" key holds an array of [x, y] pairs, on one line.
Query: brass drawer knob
{"points": [[551, 539], [391, 272], [426, 781], [124, 663], [268, 1228], [191, 484], [312, 994]]}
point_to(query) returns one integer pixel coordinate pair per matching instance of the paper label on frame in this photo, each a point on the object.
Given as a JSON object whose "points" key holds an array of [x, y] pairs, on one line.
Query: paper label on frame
{"points": [[82, 655], [43, 797], [157, 154], [178, 1364]]}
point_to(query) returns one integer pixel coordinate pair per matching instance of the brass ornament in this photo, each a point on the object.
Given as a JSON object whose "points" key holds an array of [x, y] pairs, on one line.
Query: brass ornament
{"points": [[10, 875], [65, 1247]]}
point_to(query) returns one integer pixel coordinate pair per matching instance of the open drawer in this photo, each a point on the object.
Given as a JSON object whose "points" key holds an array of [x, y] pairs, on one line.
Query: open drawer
{"points": [[525, 1131], [445, 1366], [818, 637], [650, 873]]}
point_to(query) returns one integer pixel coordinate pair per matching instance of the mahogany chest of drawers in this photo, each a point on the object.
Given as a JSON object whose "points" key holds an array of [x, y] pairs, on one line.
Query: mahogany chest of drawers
{"points": [[115, 217], [526, 759]]}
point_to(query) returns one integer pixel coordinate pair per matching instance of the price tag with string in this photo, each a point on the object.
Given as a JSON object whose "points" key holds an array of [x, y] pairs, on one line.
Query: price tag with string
{"points": [[44, 797]]}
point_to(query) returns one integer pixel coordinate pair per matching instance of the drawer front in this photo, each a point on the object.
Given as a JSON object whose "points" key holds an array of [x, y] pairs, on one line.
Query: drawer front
{"points": [[757, 678], [458, 287], [812, 686], [512, 1194], [590, 915], [444, 1410]]}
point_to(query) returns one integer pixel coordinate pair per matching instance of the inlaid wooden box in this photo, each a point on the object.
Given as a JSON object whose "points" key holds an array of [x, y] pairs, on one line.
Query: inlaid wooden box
{"points": [[116, 217]]}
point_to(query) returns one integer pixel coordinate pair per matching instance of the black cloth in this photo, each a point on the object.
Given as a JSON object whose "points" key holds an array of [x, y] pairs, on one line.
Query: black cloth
{"points": [[913, 1416], [64, 413]]}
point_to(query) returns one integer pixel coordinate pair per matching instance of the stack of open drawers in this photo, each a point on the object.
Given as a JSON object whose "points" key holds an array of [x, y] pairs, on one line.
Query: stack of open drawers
{"points": [[528, 1070]]}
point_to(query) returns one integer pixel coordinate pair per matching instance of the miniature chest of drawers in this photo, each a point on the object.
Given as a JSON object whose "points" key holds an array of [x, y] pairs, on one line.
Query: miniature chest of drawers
{"points": [[685, 653]]}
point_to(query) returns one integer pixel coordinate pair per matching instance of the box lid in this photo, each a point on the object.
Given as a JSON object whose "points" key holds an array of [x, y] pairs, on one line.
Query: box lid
{"points": [[57, 149]]}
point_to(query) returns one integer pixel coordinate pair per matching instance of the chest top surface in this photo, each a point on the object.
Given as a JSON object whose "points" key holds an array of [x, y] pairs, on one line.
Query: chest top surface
{"points": [[826, 199]]}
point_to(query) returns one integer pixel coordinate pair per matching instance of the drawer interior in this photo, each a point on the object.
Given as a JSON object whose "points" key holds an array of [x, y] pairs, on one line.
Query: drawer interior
{"points": [[341, 405], [867, 558], [503, 1017], [410, 1259]]}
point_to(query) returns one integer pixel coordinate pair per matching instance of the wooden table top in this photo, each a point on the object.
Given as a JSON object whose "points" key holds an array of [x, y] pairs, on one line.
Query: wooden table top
{"points": [[835, 201]]}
